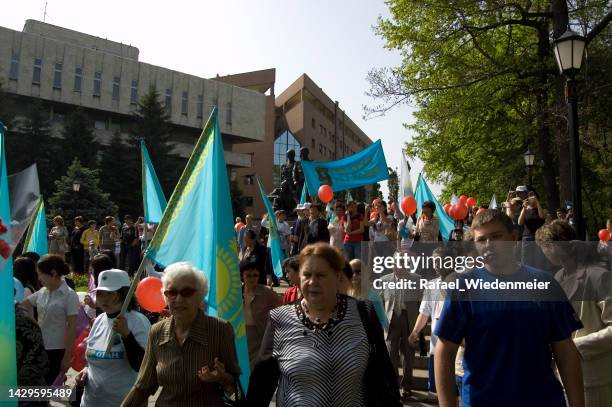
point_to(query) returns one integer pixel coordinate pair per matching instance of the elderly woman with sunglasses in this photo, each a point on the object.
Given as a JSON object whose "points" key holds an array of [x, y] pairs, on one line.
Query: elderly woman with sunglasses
{"points": [[190, 355]]}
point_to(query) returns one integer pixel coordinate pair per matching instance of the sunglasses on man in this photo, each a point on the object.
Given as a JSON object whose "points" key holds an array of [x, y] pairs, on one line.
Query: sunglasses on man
{"points": [[186, 292]]}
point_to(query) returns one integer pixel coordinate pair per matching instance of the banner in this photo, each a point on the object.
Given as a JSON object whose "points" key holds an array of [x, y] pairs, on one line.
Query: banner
{"points": [[423, 194], [8, 358], [197, 226], [36, 239], [154, 201], [363, 168], [24, 191], [276, 252]]}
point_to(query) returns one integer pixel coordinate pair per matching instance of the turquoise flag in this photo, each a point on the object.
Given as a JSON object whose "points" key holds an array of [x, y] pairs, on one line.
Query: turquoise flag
{"points": [[154, 201], [197, 227], [363, 168], [276, 252], [422, 194], [304, 193], [36, 239], [8, 358]]}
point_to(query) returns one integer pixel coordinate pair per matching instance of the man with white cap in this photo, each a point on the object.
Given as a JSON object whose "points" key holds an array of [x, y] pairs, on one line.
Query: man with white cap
{"points": [[109, 376]]}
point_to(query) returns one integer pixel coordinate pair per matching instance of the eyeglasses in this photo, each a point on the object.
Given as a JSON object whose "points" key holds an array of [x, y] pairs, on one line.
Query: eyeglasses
{"points": [[186, 292]]}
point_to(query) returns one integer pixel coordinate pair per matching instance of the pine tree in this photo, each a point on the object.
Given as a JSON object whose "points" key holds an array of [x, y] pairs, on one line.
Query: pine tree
{"points": [[120, 175], [90, 202], [153, 125], [79, 140]]}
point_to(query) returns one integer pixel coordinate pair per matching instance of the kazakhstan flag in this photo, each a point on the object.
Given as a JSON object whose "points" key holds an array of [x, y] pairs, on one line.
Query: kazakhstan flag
{"points": [[197, 227], [276, 252], [154, 201], [8, 358], [422, 194], [36, 239]]}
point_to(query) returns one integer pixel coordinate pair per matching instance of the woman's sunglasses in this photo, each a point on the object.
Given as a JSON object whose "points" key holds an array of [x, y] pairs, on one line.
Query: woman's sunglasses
{"points": [[186, 292]]}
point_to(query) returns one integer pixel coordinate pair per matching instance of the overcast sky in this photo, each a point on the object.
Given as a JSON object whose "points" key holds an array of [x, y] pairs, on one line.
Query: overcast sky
{"points": [[331, 41]]}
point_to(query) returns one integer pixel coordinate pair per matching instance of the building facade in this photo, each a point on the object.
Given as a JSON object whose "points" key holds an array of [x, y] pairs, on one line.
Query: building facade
{"points": [[69, 69]]}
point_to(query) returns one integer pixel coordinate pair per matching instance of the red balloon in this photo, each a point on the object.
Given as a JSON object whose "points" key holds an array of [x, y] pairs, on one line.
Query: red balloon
{"points": [[458, 211], [480, 210], [604, 235], [463, 199], [409, 205], [78, 352], [149, 294], [447, 208], [240, 226], [471, 201], [325, 193]]}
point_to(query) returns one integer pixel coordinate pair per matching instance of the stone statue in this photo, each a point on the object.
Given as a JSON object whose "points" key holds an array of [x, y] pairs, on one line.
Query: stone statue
{"points": [[288, 168], [298, 173], [282, 198]]}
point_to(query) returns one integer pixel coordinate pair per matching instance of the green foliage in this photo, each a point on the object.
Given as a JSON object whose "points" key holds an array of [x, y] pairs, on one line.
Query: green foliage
{"points": [[393, 185], [484, 80], [79, 141], [120, 175], [90, 202]]}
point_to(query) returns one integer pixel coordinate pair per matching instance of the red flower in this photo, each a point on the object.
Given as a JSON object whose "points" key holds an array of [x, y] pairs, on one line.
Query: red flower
{"points": [[5, 250]]}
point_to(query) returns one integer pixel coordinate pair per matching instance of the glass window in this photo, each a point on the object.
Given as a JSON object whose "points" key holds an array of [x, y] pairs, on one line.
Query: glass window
{"points": [[168, 101], [134, 92], [36, 72], [200, 107], [100, 124], [97, 84], [14, 73], [313, 123], [57, 77], [78, 78], [184, 101], [286, 141], [116, 86], [313, 143]]}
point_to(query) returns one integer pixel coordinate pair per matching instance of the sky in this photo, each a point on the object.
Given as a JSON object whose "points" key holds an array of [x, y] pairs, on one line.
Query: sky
{"points": [[331, 41]]}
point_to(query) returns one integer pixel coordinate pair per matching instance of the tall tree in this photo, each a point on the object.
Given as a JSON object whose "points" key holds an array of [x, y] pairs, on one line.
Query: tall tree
{"points": [[90, 202], [238, 205], [120, 175], [484, 79], [153, 125], [393, 185], [79, 140]]}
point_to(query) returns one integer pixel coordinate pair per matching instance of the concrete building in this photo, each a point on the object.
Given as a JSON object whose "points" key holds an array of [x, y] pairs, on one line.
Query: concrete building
{"points": [[66, 69]]}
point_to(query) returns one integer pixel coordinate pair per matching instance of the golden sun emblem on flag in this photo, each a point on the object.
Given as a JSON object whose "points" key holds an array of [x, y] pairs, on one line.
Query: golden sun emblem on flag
{"points": [[229, 286]]}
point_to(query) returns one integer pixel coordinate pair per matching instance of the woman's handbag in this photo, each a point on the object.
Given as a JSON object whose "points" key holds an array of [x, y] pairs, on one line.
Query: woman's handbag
{"points": [[381, 386], [237, 399]]}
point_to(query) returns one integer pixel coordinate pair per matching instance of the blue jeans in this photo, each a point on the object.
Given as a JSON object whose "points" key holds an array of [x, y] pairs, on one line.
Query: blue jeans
{"points": [[352, 250], [431, 385]]}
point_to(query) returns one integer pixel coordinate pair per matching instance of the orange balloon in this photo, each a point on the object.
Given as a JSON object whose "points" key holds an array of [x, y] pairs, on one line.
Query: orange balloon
{"points": [[325, 193], [604, 235], [239, 226], [149, 294], [447, 208], [471, 201], [409, 205]]}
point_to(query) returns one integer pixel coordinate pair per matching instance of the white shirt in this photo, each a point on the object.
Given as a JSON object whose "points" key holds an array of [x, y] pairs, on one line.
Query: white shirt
{"points": [[284, 230], [110, 376], [54, 308], [431, 305]]}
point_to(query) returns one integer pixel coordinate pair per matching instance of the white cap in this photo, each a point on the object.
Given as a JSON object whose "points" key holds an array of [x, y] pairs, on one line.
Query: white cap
{"points": [[299, 207], [113, 280], [307, 205], [522, 188]]}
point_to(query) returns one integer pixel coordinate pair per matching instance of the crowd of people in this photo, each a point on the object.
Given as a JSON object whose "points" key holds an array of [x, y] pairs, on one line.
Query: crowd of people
{"points": [[327, 339]]}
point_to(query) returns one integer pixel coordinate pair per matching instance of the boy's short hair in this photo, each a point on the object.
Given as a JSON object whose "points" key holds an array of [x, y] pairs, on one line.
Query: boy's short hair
{"points": [[492, 215]]}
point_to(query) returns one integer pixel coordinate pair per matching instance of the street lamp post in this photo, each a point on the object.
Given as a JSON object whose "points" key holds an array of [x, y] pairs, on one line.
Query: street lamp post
{"points": [[76, 187], [569, 52], [529, 159]]}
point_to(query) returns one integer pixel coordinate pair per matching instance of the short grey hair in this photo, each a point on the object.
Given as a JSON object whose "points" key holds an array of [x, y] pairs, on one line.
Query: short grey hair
{"points": [[182, 269]]}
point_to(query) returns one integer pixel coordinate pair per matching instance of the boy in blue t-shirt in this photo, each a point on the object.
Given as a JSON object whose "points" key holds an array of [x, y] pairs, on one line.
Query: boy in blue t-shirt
{"points": [[511, 337]]}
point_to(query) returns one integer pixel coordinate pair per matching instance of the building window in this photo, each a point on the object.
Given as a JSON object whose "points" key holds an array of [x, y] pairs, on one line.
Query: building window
{"points": [[286, 141], [313, 123], [248, 180], [248, 200], [116, 84], [184, 101], [168, 101], [134, 92], [313, 143], [100, 124], [228, 113], [57, 77], [78, 78], [200, 107], [36, 72], [14, 73], [97, 84], [320, 148]]}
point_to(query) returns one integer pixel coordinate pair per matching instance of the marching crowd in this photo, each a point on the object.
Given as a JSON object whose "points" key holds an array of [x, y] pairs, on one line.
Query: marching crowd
{"points": [[324, 342]]}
